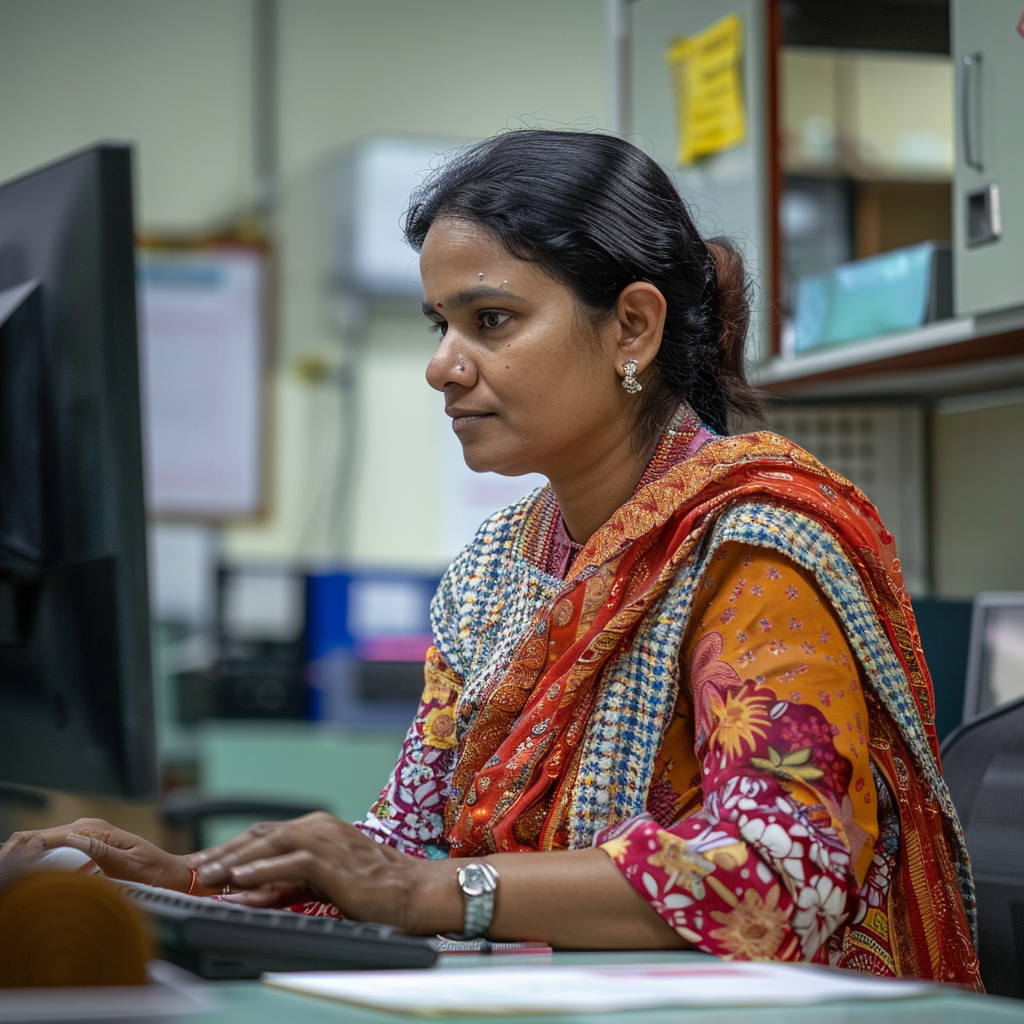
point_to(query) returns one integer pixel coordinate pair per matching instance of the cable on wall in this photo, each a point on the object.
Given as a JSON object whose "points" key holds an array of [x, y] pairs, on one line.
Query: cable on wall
{"points": [[265, 160]]}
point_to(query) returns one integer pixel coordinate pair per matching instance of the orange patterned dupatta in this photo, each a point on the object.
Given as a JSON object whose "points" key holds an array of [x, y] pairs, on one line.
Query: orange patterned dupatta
{"points": [[517, 765]]}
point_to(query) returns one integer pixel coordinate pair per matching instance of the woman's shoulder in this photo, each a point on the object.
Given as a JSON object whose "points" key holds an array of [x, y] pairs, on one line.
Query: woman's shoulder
{"points": [[492, 587], [490, 558], [507, 533]]}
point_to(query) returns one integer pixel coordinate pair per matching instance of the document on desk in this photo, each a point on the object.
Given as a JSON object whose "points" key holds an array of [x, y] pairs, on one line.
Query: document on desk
{"points": [[573, 989]]}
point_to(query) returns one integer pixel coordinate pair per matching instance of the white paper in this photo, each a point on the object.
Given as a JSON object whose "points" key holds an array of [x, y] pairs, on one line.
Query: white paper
{"points": [[263, 604], [201, 348], [170, 993], [557, 989]]}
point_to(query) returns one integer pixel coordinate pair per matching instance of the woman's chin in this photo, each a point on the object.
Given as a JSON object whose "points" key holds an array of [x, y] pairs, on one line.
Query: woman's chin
{"points": [[491, 462]]}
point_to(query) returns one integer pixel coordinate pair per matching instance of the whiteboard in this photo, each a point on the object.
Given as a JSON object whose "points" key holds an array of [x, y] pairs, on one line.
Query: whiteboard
{"points": [[201, 354]]}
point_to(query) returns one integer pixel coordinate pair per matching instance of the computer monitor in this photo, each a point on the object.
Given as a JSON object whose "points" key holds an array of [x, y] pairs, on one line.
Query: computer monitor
{"points": [[76, 703], [995, 660]]}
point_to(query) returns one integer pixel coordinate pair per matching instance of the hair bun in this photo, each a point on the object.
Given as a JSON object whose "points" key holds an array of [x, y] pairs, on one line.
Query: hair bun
{"points": [[732, 309]]}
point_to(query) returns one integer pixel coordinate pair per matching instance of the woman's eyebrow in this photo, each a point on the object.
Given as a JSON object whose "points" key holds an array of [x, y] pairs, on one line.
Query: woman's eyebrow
{"points": [[462, 299]]}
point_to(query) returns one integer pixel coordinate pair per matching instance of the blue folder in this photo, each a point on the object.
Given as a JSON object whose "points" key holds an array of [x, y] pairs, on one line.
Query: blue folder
{"points": [[895, 291]]}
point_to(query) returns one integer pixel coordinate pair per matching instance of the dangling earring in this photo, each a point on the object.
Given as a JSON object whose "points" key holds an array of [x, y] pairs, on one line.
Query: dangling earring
{"points": [[629, 382]]}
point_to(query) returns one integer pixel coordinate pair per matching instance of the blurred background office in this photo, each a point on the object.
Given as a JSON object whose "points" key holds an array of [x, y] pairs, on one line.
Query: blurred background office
{"points": [[304, 488], [237, 111]]}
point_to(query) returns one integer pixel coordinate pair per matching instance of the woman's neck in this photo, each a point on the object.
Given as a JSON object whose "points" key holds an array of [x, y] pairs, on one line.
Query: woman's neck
{"points": [[592, 491]]}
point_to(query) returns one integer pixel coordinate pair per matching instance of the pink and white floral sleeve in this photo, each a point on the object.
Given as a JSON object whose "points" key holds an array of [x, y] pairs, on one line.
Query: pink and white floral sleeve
{"points": [[408, 815]]}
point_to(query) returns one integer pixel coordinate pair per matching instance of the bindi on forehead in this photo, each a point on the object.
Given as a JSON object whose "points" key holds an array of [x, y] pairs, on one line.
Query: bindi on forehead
{"points": [[440, 305]]}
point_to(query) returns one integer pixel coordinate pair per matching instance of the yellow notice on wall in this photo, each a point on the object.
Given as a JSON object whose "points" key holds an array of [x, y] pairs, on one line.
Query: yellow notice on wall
{"points": [[705, 71]]}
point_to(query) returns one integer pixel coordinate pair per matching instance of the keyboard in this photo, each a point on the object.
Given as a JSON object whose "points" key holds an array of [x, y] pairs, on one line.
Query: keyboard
{"points": [[220, 940]]}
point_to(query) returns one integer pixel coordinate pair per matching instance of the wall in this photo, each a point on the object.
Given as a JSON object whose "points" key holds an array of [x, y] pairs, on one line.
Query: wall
{"points": [[978, 495], [174, 76], [171, 77]]}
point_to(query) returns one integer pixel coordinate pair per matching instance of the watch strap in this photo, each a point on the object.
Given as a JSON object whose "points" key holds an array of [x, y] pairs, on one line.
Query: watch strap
{"points": [[478, 882]]}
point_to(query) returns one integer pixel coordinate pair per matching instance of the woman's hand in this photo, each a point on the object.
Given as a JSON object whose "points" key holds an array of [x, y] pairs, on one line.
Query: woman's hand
{"points": [[319, 857], [119, 854]]}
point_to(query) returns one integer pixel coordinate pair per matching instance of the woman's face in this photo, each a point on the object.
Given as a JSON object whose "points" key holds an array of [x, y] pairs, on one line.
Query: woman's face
{"points": [[528, 386]]}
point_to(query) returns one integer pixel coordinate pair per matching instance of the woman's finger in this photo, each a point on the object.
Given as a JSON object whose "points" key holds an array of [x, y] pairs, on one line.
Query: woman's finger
{"points": [[262, 840], [113, 861], [275, 895], [21, 844], [271, 844], [98, 850], [217, 853], [318, 831], [16, 859], [39, 840], [132, 859], [317, 821], [299, 867]]}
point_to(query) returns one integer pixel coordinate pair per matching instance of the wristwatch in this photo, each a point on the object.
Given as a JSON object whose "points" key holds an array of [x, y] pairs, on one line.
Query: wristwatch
{"points": [[478, 882]]}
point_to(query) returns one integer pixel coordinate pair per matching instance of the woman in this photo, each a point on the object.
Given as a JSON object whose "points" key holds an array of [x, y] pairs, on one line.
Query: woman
{"points": [[677, 697]]}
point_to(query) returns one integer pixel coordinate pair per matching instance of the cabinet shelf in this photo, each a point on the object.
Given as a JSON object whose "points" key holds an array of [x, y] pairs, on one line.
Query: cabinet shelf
{"points": [[963, 355]]}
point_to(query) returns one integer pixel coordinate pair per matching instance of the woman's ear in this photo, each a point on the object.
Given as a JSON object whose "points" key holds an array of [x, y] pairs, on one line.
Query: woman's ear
{"points": [[635, 332]]}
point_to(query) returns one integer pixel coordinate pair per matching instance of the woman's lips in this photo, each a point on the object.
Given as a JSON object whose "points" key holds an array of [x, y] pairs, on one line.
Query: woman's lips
{"points": [[466, 420]]}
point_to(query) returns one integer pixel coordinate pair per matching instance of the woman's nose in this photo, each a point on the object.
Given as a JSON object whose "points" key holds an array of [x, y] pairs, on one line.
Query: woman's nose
{"points": [[449, 364]]}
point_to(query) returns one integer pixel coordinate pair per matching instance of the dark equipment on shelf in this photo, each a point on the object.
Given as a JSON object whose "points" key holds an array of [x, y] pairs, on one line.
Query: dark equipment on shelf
{"points": [[259, 669], [263, 682], [945, 629]]}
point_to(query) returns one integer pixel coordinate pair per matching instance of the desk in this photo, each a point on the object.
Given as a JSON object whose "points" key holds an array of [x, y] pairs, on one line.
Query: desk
{"points": [[249, 1002]]}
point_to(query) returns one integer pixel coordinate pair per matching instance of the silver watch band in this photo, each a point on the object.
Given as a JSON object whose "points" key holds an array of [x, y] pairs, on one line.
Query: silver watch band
{"points": [[478, 882]]}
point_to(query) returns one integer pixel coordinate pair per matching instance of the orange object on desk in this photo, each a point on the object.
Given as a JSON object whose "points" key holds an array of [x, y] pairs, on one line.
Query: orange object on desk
{"points": [[66, 928]]}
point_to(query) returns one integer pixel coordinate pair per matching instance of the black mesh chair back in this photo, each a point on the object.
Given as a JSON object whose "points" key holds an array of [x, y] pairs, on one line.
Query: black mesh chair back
{"points": [[983, 763]]}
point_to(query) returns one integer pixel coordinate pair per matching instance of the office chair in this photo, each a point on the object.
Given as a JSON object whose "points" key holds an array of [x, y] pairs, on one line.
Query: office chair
{"points": [[983, 763], [183, 812]]}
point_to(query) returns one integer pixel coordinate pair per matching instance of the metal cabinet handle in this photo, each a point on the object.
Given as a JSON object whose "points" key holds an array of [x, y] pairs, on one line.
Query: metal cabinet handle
{"points": [[970, 82]]}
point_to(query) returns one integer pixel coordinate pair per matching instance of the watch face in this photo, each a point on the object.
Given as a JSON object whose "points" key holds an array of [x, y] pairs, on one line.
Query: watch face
{"points": [[474, 880]]}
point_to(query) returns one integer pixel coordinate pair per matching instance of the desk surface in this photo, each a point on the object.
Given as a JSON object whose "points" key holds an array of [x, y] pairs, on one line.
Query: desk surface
{"points": [[250, 1002]]}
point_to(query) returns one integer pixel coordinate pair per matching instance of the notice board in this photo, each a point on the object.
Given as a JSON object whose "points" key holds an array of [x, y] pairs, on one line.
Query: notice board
{"points": [[202, 333]]}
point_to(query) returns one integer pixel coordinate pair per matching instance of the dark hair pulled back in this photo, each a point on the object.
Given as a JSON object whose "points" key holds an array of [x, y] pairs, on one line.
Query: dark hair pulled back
{"points": [[596, 213]]}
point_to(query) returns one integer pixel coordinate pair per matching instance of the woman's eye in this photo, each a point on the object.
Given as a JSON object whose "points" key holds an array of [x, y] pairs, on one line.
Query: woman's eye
{"points": [[439, 327], [492, 320]]}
